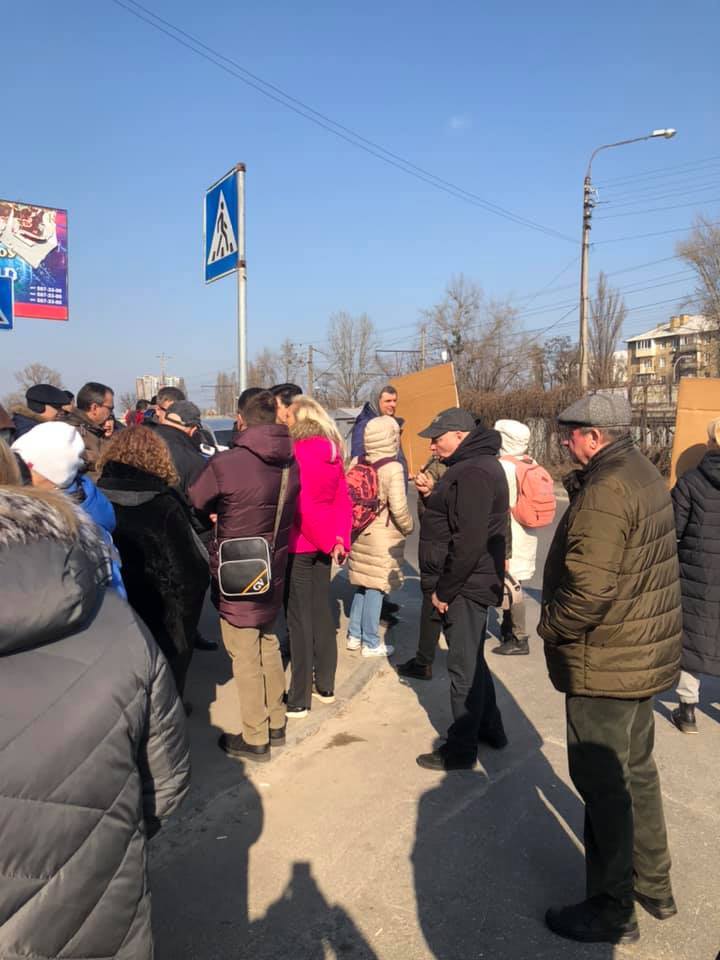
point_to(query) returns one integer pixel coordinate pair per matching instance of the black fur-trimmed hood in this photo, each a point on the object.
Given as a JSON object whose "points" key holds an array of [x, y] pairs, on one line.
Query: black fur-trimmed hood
{"points": [[52, 577]]}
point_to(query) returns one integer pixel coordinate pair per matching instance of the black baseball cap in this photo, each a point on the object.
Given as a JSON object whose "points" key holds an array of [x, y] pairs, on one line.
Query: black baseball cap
{"points": [[454, 418], [41, 395]]}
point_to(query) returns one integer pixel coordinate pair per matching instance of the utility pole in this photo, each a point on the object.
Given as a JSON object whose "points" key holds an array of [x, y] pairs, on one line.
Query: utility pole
{"points": [[423, 347], [310, 370], [588, 204], [163, 357]]}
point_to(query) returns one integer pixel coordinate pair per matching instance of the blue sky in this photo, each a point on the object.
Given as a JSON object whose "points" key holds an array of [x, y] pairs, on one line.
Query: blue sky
{"points": [[125, 128]]}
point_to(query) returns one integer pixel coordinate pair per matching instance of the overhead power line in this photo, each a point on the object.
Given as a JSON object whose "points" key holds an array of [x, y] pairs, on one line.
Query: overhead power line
{"points": [[634, 199], [646, 236], [660, 172], [636, 213], [273, 92]]}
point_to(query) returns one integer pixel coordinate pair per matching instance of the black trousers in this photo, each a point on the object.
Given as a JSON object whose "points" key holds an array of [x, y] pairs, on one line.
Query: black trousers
{"points": [[430, 630], [610, 752], [472, 691], [313, 643]]}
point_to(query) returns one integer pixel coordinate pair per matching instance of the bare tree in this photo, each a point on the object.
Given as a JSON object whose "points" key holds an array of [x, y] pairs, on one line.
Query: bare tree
{"points": [[290, 363], [127, 401], [607, 316], [27, 377], [554, 363], [226, 394], [480, 337], [351, 348], [263, 371], [701, 250]]}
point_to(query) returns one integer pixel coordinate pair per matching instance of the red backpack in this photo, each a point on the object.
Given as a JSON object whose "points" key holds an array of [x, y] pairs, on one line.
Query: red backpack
{"points": [[536, 503], [362, 483]]}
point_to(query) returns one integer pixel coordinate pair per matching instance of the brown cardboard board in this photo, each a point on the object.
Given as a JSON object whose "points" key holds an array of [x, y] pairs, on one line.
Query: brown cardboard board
{"points": [[698, 404], [420, 397]]}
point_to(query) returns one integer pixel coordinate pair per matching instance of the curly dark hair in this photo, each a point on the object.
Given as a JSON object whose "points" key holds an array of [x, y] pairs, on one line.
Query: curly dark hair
{"points": [[141, 447]]}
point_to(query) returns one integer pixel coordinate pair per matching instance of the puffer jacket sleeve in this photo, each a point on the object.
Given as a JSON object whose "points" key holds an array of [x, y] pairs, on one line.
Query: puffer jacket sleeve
{"points": [[682, 506], [205, 490], [397, 498], [596, 541], [164, 756]]}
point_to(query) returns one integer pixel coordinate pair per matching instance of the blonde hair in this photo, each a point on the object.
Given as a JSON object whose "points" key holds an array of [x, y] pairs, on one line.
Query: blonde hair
{"points": [[307, 409], [9, 469], [714, 431]]}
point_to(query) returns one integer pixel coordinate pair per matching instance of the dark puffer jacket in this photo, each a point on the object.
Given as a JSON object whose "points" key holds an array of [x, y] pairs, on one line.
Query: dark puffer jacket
{"points": [[464, 524], [696, 500], [242, 486], [611, 615], [92, 747]]}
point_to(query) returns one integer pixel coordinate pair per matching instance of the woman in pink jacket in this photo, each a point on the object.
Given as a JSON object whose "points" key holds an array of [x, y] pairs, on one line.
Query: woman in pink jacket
{"points": [[320, 534]]}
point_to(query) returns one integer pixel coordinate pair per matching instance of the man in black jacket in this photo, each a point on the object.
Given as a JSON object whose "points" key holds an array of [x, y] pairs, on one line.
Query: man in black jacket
{"points": [[181, 420], [462, 563]]}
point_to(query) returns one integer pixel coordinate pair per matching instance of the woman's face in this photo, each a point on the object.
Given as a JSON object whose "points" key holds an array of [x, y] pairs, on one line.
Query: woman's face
{"points": [[291, 415]]}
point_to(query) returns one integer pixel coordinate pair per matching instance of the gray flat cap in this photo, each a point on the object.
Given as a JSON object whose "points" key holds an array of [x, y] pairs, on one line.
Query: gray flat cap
{"points": [[599, 410]]}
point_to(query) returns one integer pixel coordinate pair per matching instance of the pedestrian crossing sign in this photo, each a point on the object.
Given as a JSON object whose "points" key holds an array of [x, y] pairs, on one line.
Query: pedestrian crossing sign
{"points": [[6, 302], [223, 233]]}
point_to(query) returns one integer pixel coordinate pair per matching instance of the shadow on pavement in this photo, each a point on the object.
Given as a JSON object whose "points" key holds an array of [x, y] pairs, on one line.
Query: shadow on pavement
{"points": [[301, 924], [495, 848]]}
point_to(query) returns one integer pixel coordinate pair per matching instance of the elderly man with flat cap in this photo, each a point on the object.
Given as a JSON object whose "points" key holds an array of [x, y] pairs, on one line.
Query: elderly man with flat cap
{"points": [[612, 626], [43, 402], [462, 565]]}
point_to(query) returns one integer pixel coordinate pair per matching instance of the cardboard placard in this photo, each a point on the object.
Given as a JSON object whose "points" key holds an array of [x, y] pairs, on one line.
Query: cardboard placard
{"points": [[698, 404], [421, 396]]}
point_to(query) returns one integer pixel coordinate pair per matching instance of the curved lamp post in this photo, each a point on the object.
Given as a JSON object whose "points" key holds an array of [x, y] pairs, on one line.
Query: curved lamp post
{"points": [[588, 204]]}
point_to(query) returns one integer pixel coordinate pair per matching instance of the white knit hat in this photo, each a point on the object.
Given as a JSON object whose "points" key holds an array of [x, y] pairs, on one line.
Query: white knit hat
{"points": [[52, 449], [515, 437]]}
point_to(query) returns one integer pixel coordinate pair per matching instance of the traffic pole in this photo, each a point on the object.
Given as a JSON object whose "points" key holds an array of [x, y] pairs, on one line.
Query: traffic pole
{"points": [[241, 284]]}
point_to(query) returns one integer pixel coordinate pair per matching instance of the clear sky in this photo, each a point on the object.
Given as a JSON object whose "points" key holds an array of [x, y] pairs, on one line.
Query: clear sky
{"points": [[125, 128]]}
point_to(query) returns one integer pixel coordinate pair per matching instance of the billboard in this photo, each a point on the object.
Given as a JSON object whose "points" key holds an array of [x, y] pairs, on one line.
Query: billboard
{"points": [[34, 252]]}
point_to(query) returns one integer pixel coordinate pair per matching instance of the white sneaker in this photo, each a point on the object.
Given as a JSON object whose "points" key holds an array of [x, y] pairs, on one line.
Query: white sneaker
{"points": [[353, 643], [382, 650]]}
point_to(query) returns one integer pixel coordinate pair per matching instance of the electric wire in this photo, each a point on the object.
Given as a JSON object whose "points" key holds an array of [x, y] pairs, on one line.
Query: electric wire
{"points": [[345, 133]]}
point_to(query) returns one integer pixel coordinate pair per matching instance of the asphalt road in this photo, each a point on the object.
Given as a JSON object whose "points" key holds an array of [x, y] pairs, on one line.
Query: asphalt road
{"points": [[343, 847]]}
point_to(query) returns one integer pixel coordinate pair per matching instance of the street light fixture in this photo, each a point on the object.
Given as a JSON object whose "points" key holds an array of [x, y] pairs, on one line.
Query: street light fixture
{"points": [[588, 203]]}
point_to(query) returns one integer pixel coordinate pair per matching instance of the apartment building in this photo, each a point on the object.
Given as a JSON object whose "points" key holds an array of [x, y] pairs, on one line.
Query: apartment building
{"points": [[685, 346], [146, 387]]}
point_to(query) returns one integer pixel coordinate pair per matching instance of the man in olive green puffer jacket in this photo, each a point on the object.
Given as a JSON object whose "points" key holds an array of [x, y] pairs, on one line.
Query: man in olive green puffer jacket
{"points": [[612, 625]]}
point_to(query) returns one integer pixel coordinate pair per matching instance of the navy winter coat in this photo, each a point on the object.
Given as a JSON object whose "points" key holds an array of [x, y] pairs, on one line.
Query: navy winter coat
{"points": [[696, 500]]}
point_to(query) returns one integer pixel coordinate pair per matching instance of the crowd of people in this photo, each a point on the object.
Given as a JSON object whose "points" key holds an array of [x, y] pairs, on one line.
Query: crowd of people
{"points": [[112, 532]]}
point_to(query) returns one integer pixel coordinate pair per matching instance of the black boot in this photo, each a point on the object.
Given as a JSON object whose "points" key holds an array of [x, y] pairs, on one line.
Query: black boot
{"points": [[597, 920], [684, 718], [415, 670], [513, 647], [662, 908], [234, 746]]}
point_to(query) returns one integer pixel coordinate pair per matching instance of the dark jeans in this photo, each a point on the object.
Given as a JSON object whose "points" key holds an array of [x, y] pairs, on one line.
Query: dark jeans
{"points": [[610, 751], [472, 692], [313, 644], [430, 630]]}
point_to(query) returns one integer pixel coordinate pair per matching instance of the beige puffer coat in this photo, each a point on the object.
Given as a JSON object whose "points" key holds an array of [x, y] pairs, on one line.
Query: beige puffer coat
{"points": [[377, 554]]}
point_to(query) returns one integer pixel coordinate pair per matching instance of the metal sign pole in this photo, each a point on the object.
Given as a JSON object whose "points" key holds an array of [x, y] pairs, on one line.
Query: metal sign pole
{"points": [[241, 284]]}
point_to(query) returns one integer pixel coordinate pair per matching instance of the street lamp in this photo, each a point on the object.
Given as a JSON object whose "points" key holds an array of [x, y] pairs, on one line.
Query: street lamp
{"points": [[588, 204]]}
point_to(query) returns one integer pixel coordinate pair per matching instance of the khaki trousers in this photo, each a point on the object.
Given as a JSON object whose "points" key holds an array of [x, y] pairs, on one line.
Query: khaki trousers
{"points": [[259, 677]]}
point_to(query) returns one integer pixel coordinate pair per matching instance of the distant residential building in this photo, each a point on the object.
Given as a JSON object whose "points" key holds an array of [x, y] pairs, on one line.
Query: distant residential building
{"points": [[146, 387], [682, 347]]}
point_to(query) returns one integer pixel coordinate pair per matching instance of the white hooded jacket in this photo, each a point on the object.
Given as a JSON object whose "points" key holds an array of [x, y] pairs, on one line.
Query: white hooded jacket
{"points": [[515, 440]]}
